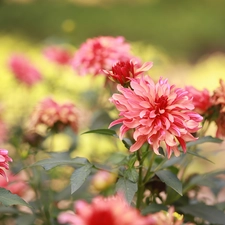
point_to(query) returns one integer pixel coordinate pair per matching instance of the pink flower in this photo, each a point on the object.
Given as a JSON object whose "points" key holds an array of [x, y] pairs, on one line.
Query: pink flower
{"points": [[4, 159], [15, 184], [157, 113], [122, 71], [55, 115], [58, 55], [100, 53], [24, 71], [201, 99], [102, 211], [165, 218]]}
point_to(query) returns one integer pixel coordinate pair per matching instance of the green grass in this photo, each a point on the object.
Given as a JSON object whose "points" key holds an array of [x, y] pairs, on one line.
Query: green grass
{"points": [[183, 29]]}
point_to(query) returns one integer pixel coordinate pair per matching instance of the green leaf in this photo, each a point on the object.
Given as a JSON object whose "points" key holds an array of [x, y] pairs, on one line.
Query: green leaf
{"points": [[127, 143], [8, 199], [127, 187], [197, 155], [204, 140], [50, 163], [170, 180], [206, 212], [131, 174], [153, 208], [102, 131], [79, 176]]}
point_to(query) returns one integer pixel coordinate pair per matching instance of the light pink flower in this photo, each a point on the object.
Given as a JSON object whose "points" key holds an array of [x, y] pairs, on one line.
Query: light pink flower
{"points": [[4, 161], [201, 99], [100, 53], [15, 184], [102, 211], [58, 55], [165, 218], [55, 115], [122, 71], [24, 71], [158, 113]]}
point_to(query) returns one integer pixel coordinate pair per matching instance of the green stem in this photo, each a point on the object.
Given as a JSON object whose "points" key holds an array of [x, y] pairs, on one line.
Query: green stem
{"points": [[140, 183], [149, 173]]}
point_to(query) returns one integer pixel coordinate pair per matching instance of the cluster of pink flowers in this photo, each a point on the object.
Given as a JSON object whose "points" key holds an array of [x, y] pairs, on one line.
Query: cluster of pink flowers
{"points": [[24, 71], [55, 115], [58, 55], [113, 210], [100, 53], [157, 112], [4, 161]]}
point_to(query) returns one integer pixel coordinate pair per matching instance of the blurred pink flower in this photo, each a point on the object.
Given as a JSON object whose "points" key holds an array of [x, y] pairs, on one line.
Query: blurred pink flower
{"points": [[218, 97], [220, 123], [24, 71], [100, 53], [52, 114], [122, 71], [101, 211], [201, 99], [58, 55], [15, 184], [165, 218], [4, 161], [158, 113]]}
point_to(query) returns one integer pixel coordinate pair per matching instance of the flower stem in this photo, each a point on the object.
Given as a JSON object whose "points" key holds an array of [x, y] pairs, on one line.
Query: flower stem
{"points": [[140, 183]]}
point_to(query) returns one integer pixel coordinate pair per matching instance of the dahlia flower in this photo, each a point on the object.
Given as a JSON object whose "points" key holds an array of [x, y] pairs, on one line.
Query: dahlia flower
{"points": [[157, 112], [15, 184], [52, 114], [103, 211], [58, 55], [24, 71], [165, 218], [122, 71], [100, 53], [4, 161], [201, 99]]}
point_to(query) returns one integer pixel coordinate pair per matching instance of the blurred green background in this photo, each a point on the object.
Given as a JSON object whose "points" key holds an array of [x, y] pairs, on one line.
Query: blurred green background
{"points": [[185, 30]]}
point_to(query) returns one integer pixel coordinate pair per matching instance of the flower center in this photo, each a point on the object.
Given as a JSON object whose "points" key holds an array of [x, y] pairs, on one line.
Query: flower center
{"points": [[160, 104]]}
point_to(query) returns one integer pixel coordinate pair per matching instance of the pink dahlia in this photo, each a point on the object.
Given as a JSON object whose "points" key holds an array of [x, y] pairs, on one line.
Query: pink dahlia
{"points": [[100, 53], [4, 161], [122, 71], [55, 115], [24, 71], [158, 113], [58, 55], [201, 99], [102, 211]]}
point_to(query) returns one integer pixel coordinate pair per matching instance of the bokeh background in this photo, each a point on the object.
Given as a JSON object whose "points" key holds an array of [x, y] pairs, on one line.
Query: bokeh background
{"points": [[184, 39]]}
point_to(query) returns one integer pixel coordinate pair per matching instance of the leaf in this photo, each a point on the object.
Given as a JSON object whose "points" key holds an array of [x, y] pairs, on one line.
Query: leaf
{"points": [[153, 208], [8, 199], [206, 212], [197, 155], [79, 176], [170, 179], [102, 131], [127, 187], [50, 163], [127, 143], [131, 174], [204, 140]]}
